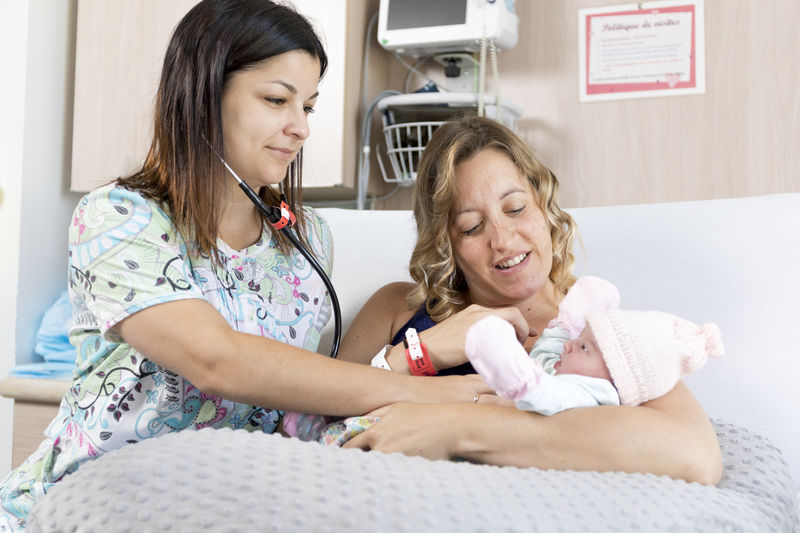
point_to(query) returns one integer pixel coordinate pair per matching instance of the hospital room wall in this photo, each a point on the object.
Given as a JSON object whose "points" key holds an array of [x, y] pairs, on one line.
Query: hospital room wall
{"points": [[37, 50], [740, 138]]}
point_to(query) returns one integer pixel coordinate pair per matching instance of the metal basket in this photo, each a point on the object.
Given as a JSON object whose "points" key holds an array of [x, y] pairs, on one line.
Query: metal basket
{"points": [[409, 121], [404, 145]]}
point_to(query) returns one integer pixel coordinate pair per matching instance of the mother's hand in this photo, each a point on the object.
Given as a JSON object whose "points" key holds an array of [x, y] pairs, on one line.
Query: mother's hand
{"points": [[413, 429], [433, 431], [446, 340], [387, 311], [448, 389]]}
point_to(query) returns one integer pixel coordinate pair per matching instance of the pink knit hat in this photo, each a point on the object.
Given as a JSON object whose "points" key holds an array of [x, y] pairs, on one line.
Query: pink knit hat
{"points": [[647, 352]]}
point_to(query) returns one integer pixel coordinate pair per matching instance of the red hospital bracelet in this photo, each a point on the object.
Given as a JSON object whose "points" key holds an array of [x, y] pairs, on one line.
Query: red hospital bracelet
{"points": [[419, 362]]}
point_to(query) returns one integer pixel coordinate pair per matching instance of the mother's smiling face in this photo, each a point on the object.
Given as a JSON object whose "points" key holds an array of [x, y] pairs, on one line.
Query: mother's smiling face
{"points": [[500, 237]]}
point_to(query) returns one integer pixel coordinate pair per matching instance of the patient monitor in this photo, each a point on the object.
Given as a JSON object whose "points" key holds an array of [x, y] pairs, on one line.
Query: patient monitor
{"points": [[430, 27], [458, 35]]}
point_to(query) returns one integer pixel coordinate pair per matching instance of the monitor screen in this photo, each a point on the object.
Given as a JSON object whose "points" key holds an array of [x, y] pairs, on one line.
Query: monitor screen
{"points": [[405, 14]]}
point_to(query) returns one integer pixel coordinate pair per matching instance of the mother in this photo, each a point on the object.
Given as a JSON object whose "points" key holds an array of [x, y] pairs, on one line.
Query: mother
{"points": [[491, 235]]}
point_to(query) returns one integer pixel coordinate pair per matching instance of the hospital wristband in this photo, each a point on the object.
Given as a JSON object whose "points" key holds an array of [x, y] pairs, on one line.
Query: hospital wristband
{"points": [[419, 362], [379, 361]]}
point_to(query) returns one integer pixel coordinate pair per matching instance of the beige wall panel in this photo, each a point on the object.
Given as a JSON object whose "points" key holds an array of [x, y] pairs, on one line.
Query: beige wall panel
{"points": [[120, 47], [739, 138]]}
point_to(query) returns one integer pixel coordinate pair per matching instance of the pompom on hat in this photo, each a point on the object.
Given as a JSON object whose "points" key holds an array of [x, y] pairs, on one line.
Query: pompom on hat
{"points": [[647, 352]]}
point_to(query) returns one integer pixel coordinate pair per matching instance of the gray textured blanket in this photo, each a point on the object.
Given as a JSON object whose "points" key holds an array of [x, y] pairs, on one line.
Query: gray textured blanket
{"points": [[224, 480]]}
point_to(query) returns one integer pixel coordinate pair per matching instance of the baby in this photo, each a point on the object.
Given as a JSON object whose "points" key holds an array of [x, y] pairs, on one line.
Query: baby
{"points": [[609, 357]]}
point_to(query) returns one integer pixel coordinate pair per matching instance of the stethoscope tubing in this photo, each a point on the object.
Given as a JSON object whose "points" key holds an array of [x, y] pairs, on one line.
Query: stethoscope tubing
{"points": [[273, 215], [337, 312]]}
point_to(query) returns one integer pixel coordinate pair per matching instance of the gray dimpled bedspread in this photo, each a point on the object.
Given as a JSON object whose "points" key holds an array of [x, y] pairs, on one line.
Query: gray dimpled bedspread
{"points": [[224, 480]]}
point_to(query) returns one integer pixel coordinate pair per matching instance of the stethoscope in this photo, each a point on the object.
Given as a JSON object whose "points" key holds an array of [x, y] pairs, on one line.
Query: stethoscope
{"points": [[282, 219]]}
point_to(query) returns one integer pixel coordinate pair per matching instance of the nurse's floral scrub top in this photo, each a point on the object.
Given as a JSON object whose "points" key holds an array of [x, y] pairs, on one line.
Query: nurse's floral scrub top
{"points": [[125, 255]]}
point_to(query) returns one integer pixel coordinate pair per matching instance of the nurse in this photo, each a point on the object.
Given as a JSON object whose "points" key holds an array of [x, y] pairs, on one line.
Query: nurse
{"points": [[190, 310]]}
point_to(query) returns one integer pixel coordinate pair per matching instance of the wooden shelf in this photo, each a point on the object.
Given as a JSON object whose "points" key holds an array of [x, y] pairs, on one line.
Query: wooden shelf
{"points": [[34, 390]]}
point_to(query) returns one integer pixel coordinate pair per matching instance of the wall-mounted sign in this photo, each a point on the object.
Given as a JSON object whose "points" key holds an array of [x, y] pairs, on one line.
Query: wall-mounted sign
{"points": [[640, 50]]}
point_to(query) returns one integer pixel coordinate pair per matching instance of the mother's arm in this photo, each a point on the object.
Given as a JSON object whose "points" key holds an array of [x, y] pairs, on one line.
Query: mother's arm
{"points": [[387, 311], [670, 435], [373, 327]]}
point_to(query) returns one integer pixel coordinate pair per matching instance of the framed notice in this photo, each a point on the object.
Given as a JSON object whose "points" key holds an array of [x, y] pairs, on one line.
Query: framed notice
{"points": [[640, 50]]}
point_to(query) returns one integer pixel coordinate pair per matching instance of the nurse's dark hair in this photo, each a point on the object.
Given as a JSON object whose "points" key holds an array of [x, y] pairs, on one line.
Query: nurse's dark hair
{"points": [[214, 40], [439, 283]]}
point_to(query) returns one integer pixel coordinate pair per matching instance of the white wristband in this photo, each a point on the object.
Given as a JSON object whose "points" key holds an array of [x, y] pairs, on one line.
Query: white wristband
{"points": [[380, 358]]}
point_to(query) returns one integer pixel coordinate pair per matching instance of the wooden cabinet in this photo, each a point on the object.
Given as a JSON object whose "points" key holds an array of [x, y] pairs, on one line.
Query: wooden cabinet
{"points": [[36, 403], [120, 47]]}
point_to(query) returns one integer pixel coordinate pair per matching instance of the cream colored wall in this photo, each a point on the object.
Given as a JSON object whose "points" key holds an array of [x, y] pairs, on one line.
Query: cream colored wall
{"points": [[13, 32], [37, 49], [740, 138]]}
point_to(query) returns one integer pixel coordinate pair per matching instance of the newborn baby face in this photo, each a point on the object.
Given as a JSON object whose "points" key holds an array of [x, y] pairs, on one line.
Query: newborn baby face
{"points": [[582, 356]]}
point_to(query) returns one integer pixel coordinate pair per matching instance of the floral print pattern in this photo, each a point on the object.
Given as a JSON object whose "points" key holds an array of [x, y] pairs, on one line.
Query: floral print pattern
{"points": [[126, 255]]}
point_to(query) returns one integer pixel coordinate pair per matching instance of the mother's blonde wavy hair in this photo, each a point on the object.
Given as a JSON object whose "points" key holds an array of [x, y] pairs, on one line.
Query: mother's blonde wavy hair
{"points": [[440, 285]]}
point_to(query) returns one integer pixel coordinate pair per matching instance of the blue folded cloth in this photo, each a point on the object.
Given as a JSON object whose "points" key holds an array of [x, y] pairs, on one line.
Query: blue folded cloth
{"points": [[44, 370], [52, 339], [52, 345]]}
